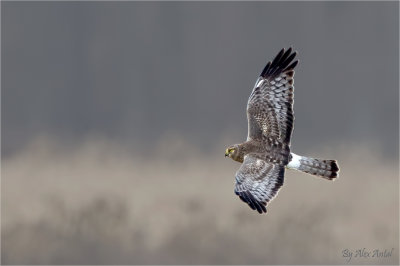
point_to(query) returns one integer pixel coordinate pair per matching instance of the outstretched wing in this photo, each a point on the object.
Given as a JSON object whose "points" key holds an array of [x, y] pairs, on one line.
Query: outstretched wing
{"points": [[258, 182], [270, 105]]}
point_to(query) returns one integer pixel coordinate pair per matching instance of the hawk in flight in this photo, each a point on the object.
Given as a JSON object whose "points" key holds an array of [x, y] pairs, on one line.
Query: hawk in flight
{"points": [[266, 152]]}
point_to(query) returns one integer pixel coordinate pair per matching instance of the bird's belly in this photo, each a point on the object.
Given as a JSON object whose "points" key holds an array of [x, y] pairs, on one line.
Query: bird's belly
{"points": [[278, 155]]}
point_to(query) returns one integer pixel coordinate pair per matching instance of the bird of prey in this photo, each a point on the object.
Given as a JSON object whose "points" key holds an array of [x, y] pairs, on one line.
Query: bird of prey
{"points": [[266, 152]]}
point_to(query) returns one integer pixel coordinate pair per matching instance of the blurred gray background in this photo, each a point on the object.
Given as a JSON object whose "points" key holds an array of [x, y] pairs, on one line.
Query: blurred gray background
{"points": [[115, 117]]}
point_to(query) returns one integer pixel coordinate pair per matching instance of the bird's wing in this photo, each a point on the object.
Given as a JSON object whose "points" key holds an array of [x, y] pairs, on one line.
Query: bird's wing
{"points": [[258, 182], [270, 105]]}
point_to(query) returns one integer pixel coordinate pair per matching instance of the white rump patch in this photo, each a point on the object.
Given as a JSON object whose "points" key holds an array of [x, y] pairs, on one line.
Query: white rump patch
{"points": [[295, 162]]}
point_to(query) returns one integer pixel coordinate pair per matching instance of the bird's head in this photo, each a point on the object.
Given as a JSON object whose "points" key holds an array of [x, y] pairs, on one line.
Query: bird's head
{"points": [[232, 152]]}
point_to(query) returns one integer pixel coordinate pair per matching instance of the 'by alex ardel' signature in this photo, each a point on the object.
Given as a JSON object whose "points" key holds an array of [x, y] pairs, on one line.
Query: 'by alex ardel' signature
{"points": [[366, 253]]}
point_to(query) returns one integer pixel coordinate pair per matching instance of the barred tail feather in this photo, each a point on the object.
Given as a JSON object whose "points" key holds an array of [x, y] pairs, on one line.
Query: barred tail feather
{"points": [[328, 169]]}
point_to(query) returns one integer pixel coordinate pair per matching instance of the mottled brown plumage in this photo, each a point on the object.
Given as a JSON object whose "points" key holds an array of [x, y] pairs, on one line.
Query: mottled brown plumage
{"points": [[266, 152]]}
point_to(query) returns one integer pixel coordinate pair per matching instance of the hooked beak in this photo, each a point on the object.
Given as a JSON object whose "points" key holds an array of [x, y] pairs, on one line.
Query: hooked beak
{"points": [[226, 153]]}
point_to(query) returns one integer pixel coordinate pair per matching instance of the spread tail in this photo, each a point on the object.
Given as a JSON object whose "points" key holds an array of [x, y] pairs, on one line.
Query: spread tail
{"points": [[327, 169]]}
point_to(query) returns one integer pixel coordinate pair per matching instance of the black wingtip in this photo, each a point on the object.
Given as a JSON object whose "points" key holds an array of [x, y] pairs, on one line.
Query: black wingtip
{"points": [[254, 204], [281, 63]]}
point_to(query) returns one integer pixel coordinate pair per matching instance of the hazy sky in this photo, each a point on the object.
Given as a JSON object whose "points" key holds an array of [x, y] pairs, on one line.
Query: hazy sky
{"points": [[135, 71]]}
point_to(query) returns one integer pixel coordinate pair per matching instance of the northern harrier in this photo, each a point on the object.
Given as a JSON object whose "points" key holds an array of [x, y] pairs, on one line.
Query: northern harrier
{"points": [[266, 152]]}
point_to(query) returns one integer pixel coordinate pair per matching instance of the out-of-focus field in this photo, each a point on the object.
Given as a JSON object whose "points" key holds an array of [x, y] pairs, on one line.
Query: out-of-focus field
{"points": [[101, 203]]}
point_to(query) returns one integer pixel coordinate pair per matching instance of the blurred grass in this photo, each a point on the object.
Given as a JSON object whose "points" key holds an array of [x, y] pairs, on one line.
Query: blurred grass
{"points": [[104, 204]]}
